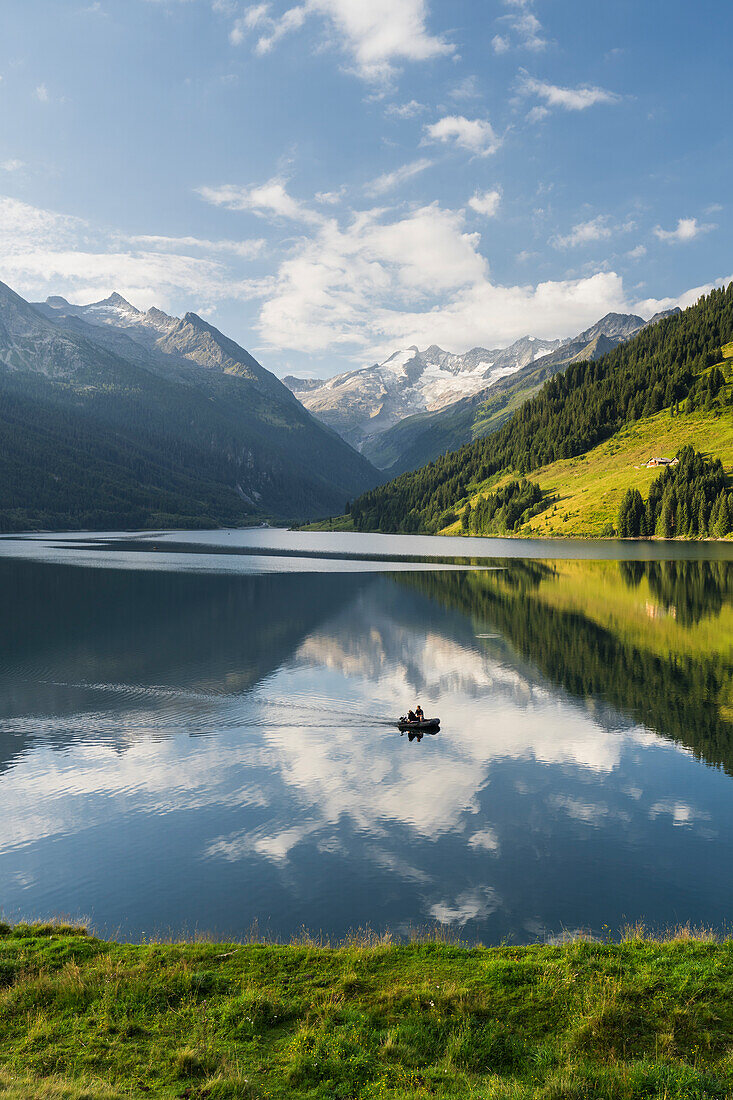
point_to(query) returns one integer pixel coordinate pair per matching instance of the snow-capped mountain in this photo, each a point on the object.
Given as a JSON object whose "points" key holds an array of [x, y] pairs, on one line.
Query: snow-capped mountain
{"points": [[361, 404]]}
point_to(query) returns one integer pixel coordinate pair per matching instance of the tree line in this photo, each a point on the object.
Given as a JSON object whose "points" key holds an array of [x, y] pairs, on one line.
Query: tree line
{"points": [[504, 511], [689, 500]]}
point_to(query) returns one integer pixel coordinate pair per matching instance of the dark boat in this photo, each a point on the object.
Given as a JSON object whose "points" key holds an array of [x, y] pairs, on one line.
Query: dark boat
{"points": [[423, 725]]}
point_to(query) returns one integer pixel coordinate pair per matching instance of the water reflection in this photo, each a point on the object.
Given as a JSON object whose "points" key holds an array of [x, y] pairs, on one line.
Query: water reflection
{"points": [[183, 749]]}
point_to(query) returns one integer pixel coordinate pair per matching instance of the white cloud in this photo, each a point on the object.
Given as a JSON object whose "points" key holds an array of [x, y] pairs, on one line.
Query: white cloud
{"points": [[637, 253], [649, 306], [486, 203], [500, 44], [476, 135], [41, 93], [330, 198], [42, 252], [686, 230], [568, 99], [537, 114], [269, 199], [389, 180], [247, 250], [23, 227], [597, 229], [405, 110], [376, 35], [12, 165], [527, 32], [385, 280]]}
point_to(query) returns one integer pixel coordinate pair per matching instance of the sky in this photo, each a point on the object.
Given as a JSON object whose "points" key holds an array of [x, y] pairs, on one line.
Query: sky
{"points": [[331, 180]]}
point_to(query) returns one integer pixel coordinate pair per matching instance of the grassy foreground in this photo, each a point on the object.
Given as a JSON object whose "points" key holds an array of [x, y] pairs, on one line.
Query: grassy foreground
{"points": [[82, 1018]]}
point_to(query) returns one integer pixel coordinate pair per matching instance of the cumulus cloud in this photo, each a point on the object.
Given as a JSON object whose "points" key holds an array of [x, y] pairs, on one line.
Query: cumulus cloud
{"points": [[647, 307], [269, 199], [389, 180], [11, 165], [405, 110], [597, 229], [41, 93], [524, 29], [687, 229], [376, 35], [486, 203], [475, 135], [386, 279], [567, 99]]}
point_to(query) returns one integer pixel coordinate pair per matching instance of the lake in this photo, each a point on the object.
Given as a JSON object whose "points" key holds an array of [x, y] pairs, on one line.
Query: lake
{"points": [[197, 734]]}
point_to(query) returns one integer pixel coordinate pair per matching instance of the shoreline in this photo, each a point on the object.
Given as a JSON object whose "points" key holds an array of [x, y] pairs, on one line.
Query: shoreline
{"points": [[101, 1020]]}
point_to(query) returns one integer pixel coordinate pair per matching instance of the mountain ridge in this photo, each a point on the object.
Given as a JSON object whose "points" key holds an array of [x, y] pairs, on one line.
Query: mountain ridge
{"points": [[148, 415], [365, 402], [676, 366], [419, 439]]}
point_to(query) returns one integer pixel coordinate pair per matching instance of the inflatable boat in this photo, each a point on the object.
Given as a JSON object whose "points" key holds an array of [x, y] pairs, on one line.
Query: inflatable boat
{"points": [[422, 725]]}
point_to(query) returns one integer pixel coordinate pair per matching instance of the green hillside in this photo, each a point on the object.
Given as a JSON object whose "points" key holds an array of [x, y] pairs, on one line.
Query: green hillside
{"points": [[586, 491], [586, 435]]}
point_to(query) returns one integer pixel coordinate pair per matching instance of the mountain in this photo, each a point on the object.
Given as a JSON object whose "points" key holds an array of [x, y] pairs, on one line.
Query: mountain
{"points": [[670, 385], [113, 417], [363, 403], [419, 439]]}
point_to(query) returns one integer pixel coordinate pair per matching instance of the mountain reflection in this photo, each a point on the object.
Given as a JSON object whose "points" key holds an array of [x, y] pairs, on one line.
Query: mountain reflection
{"points": [[214, 749], [654, 640]]}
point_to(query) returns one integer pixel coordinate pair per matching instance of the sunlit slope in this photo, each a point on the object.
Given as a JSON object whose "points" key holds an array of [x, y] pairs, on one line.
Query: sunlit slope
{"points": [[681, 365], [589, 487]]}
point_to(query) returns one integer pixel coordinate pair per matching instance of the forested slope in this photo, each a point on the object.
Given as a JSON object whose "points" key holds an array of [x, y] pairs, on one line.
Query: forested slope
{"points": [[90, 438], [671, 365]]}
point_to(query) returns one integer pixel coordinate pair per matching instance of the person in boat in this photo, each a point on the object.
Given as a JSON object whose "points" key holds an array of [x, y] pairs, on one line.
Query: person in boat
{"points": [[411, 716], [419, 713]]}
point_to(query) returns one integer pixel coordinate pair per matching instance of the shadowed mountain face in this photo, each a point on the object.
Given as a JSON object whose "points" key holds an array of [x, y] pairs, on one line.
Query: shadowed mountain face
{"points": [[141, 419]]}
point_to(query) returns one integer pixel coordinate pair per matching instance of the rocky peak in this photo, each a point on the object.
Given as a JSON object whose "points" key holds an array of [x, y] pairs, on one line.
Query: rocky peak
{"points": [[116, 301]]}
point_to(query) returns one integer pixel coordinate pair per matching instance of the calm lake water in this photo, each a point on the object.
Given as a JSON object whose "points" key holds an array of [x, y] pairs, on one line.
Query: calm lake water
{"points": [[196, 733]]}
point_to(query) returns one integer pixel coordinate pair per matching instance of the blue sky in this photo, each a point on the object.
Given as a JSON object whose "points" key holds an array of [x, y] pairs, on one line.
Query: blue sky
{"points": [[330, 180]]}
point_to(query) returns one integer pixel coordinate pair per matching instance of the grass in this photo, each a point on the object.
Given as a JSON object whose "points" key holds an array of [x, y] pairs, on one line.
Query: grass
{"points": [[333, 523], [589, 488], [84, 1018]]}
